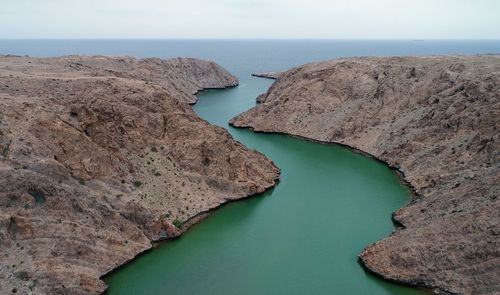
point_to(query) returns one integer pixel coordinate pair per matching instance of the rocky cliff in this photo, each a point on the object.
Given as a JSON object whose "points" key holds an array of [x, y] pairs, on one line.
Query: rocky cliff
{"points": [[100, 156], [434, 118]]}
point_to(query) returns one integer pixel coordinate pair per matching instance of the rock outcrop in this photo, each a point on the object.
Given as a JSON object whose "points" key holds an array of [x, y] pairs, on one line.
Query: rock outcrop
{"points": [[99, 156], [434, 118], [268, 75]]}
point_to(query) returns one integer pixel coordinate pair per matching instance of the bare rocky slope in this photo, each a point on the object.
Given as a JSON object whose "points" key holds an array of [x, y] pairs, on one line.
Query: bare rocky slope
{"points": [[99, 156], [434, 118]]}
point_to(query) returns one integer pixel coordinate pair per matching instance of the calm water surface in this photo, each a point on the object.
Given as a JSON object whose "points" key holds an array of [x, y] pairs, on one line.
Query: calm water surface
{"points": [[304, 236]]}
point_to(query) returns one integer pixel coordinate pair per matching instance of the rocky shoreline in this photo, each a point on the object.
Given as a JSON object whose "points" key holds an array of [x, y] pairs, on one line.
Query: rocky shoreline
{"points": [[101, 156], [433, 118], [268, 75]]}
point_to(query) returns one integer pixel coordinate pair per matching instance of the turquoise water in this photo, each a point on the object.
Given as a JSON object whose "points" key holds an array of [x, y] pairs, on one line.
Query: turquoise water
{"points": [[301, 238], [304, 236]]}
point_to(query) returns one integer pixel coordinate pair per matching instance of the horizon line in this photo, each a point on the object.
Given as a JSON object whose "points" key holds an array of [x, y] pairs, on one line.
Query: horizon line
{"points": [[263, 39]]}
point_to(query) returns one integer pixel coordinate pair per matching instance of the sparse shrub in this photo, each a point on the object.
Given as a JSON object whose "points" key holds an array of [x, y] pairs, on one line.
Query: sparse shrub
{"points": [[137, 183], [177, 223]]}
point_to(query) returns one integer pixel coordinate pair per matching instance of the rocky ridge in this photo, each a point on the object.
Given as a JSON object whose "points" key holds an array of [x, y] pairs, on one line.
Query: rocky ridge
{"points": [[268, 75], [434, 118], [100, 156]]}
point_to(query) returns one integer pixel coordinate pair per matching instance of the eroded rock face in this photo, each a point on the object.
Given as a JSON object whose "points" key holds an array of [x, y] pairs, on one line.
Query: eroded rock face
{"points": [[100, 156], [434, 118]]}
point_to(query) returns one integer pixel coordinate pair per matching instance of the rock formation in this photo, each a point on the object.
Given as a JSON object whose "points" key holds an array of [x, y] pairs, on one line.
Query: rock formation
{"points": [[99, 156], [434, 118], [268, 75]]}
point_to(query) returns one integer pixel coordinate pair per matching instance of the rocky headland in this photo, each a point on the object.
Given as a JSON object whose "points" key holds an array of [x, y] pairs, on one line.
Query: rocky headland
{"points": [[100, 156], [268, 75], [436, 119]]}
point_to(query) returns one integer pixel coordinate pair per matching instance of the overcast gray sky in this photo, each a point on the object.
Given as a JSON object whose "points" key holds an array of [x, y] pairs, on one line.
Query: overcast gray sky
{"points": [[351, 19]]}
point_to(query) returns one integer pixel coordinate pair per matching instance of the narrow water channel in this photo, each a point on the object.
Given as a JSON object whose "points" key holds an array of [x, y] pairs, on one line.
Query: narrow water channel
{"points": [[303, 237]]}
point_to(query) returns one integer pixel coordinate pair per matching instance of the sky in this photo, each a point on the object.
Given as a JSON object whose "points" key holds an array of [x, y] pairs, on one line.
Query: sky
{"points": [[250, 19]]}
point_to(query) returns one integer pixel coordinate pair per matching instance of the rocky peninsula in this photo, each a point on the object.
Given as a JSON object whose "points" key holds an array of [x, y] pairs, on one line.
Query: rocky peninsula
{"points": [[100, 156], [435, 119], [268, 75]]}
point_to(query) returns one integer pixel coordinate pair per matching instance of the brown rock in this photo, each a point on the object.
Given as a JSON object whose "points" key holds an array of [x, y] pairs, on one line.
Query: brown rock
{"points": [[99, 156], [268, 75], [435, 118]]}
